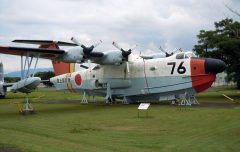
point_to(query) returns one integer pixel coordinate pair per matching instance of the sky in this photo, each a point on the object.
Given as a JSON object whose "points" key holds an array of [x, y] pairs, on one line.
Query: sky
{"points": [[147, 23]]}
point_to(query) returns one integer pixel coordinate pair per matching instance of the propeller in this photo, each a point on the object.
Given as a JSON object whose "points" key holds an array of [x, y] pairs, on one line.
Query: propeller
{"points": [[170, 54], [86, 50], [125, 53], [167, 54]]}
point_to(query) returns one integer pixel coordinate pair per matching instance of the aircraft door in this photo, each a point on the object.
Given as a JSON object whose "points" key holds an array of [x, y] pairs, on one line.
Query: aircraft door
{"points": [[94, 76]]}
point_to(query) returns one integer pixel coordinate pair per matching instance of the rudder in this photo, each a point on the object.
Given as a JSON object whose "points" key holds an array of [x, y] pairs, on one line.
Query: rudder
{"points": [[58, 66]]}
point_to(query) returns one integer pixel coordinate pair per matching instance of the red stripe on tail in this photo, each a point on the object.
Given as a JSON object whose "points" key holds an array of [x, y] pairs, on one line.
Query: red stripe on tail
{"points": [[59, 67]]}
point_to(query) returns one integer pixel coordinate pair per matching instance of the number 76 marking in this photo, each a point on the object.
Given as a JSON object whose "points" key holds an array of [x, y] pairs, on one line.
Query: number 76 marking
{"points": [[181, 69]]}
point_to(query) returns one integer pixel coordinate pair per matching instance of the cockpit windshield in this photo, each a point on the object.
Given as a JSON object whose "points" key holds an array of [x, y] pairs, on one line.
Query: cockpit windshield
{"points": [[185, 55], [189, 54]]}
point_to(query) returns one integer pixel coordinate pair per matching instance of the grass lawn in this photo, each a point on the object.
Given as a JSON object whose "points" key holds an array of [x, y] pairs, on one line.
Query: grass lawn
{"points": [[100, 127]]}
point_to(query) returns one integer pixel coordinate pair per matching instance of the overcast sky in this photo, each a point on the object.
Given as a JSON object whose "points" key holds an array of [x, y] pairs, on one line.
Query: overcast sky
{"points": [[147, 23]]}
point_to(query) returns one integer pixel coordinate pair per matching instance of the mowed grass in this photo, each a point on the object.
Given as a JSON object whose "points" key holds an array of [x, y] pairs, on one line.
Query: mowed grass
{"points": [[116, 127]]}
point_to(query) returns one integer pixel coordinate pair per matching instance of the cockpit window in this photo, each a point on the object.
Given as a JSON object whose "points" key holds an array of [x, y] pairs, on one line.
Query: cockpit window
{"points": [[189, 55], [185, 55], [96, 67], [83, 66], [180, 56]]}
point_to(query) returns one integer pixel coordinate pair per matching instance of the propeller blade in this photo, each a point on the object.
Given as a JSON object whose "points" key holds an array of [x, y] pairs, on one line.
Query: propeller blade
{"points": [[74, 40], [133, 47], [116, 45], [161, 49], [177, 50], [167, 54], [125, 53], [127, 64], [95, 45], [89, 64]]}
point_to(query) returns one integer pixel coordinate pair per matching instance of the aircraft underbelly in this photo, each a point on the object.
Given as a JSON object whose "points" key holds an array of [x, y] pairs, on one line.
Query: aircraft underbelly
{"points": [[158, 85]]}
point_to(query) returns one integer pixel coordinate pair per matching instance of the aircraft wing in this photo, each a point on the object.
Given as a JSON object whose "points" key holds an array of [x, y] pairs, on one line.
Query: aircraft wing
{"points": [[45, 42], [48, 49], [22, 51], [8, 84]]}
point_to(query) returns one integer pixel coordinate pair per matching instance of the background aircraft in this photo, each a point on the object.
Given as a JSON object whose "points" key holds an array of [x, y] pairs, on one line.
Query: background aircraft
{"points": [[122, 74], [3, 85], [25, 85]]}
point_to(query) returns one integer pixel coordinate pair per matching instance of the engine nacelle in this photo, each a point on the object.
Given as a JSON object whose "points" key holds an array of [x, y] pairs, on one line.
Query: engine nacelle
{"points": [[154, 56], [74, 55], [111, 58]]}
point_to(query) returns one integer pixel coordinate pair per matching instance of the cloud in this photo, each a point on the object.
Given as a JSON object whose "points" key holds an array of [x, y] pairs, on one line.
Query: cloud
{"points": [[148, 23]]}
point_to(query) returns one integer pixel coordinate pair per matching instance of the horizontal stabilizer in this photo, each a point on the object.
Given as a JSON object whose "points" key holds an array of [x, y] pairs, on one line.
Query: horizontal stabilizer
{"points": [[45, 42]]}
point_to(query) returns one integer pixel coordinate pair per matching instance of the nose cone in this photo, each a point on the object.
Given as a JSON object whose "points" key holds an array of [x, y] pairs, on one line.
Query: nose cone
{"points": [[214, 65]]}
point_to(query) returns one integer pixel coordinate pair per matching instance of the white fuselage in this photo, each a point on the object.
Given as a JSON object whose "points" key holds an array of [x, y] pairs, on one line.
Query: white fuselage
{"points": [[154, 77]]}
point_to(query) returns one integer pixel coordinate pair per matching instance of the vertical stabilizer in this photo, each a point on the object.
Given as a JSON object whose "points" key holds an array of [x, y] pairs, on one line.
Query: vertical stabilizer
{"points": [[59, 67]]}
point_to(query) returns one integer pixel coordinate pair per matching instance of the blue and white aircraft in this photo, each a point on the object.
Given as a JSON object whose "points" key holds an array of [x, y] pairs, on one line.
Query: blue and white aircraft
{"points": [[121, 74], [26, 85]]}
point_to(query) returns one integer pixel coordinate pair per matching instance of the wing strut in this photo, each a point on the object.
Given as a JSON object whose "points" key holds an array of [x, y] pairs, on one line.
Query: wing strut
{"points": [[35, 66], [25, 68], [28, 82]]}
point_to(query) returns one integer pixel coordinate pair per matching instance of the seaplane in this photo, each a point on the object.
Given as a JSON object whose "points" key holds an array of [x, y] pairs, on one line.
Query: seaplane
{"points": [[25, 85], [121, 74]]}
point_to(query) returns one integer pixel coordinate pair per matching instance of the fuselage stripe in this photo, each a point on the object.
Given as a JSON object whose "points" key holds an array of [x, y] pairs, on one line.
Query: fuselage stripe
{"points": [[72, 65], [69, 84]]}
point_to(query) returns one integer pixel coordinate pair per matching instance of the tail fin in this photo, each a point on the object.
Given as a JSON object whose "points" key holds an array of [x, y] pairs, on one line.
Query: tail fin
{"points": [[59, 67], [62, 68]]}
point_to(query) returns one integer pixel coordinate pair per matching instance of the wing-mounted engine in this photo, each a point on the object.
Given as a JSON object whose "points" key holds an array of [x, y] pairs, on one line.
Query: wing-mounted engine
{"points": [[124, 53], [153, 56], [80, 53], [111, 58], [73, 55]]}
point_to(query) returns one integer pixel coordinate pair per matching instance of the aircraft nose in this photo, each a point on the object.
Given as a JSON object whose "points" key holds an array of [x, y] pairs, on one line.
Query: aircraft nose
{"points": [[214, 65]]}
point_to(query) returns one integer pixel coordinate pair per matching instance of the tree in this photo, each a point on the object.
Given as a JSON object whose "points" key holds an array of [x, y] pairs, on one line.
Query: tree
{"points": [[222, 43], [11, 79]]}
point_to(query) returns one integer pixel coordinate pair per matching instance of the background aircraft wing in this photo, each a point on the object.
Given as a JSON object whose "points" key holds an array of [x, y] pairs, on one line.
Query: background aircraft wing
{"points": [[45, 42], [8, 84], [41, 52], [48, 49]]}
